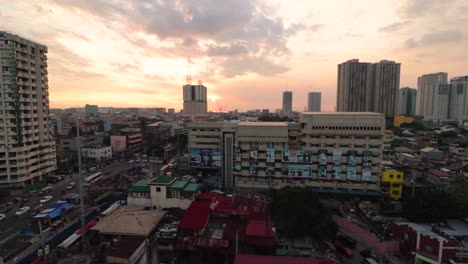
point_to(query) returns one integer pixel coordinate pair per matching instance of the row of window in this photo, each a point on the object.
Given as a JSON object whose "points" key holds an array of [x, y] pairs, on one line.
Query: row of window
{"points": [[359, 128]]}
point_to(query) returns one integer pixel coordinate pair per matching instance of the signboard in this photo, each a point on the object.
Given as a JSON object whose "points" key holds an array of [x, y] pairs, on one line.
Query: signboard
{"points": [[322, 157], [296, 170], [322, 172], [366, 173], [352, 158], [336, 157], [253, 155], [253, 168], [270, 155], [270, 170], [337, 172], [351, 173], [205, 158], [300, 156], [367, 158]]}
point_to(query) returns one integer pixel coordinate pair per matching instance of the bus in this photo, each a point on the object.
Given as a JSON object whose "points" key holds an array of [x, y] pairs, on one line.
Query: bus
{"points": [[93, 178]]}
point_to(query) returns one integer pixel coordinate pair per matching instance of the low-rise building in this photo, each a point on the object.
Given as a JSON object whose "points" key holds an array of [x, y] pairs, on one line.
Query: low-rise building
{"points": [[392, 184], [438, 178], [97, 152], [139, 194], [167, 192]]}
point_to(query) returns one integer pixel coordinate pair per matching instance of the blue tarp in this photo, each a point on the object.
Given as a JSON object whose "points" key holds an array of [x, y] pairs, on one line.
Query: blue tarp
{"points": [[55, 210]]}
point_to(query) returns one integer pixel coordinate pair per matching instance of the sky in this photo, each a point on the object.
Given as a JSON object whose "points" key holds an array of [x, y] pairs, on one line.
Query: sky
{"points": [[125, 53]]}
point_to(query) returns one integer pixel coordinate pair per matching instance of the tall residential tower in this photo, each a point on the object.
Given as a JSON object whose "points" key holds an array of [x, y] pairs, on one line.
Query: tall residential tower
{"points": [[433, 96], [407, 101], [287, 102], [27, 150], [314, 102]]}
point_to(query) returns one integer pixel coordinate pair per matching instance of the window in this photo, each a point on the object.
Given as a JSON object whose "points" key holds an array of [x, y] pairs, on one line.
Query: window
{"points": [[158, 189], [391, 176], [398, 176]]}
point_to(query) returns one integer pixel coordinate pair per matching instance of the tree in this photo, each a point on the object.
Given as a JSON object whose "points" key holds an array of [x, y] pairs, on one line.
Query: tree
{"points": [[433, 206], [448, 134], [299, 213]]}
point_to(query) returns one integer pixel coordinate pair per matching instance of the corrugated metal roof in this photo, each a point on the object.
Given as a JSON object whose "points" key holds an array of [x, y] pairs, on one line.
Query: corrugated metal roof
{"points": [[178, 184], [140, 186], [192, 187], [163, 179]]}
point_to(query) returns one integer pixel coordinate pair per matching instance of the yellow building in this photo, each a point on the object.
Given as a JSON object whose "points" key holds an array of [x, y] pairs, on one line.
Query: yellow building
{"points": [[400, 119], [392, 184]]}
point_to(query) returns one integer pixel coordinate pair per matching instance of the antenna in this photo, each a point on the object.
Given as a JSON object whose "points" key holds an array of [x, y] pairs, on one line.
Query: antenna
{"points": [[189, 75]]}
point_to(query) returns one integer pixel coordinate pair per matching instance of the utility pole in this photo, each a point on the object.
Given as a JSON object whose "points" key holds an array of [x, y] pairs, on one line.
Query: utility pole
{"points": [[42, 238], [81, 183]]}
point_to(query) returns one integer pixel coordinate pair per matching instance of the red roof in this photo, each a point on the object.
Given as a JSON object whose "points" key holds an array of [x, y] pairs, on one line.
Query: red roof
{"points": [[87, 226], [438, 173], [260, 232], [196, 216], [202, 197], [257, 259], [211, 242]]}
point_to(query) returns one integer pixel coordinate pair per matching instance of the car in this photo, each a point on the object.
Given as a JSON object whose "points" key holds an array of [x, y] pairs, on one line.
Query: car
{"points": [[368, 253], [131, 161], [345, 251], [71, 185], [45, 199], [22, 210], [346, 241], [2, 216]]}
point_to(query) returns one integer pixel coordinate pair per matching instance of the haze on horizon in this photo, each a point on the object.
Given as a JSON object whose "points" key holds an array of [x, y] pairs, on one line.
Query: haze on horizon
{"points": [[247, 52]]}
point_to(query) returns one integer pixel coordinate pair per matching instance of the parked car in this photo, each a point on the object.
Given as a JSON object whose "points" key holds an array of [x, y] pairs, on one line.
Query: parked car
{"points": [[368, 253], [71, 185], [22, 210], [346, 241], [45, 199], [2, 216], [345, 251]]}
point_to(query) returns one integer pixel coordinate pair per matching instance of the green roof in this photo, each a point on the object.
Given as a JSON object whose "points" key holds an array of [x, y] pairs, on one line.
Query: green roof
{"points": [[140, 186], [192, 187], [178, 184], [163, 179]]}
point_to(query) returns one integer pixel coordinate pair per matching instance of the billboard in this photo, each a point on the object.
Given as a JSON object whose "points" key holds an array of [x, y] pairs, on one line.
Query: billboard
{"points": [[322, 157], [366, 173], [270, 155], [351, 173], [300, 156], [253, 155], [205, 158], [336, 157], [270, 170], [337, 172], [253, 169], [296, 170], [352, 158], [367, 158], [322, 172]]}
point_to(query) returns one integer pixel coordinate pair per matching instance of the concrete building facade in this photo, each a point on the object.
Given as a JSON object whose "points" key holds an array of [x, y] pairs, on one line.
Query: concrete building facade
{"points": [[287, 102], [368, 87], [458, 107], [331, 152], [433, 96], [27, 149], [91, 110], [195, 99], [407, 101], [97, 152], [314, 102]]}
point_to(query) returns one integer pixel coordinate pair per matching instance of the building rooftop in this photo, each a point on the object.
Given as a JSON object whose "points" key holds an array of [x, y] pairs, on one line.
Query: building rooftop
{"points": [[163, 179], [140, 186], [178, 184], [438, 173], [196, 216], [423, 229], [256, 259], [131, 221], [124, 249], [192, 187], [265, 124], [342, 113]]}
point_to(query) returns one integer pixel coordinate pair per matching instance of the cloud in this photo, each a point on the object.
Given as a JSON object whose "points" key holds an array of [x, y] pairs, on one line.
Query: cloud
{"points": [[415, 8], [237, 67], [394, 26], [435, 38], [199, 28]]}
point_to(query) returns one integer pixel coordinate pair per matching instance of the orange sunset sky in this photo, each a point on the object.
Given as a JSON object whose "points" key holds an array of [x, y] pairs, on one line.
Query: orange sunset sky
{"points": [[126, 53]]}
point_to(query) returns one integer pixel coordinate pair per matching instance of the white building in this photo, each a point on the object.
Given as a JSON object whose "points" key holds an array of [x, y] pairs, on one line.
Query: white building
{"points": [[167, 192], [97, 152], [314, 102], [27, 149], [433, 96], [459, 99], [195, 99]]}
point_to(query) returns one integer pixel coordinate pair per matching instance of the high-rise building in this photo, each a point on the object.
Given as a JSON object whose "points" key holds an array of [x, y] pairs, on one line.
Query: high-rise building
{"points": [[91, 110], [432, 96], [407, 101], [314, 102], [195, 99], [459, 99], [27, 150], [287, 102], [368, 87]]}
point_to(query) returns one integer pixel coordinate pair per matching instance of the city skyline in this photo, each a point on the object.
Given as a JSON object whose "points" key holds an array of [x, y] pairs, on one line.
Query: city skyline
{"points": [[102, 54]]}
